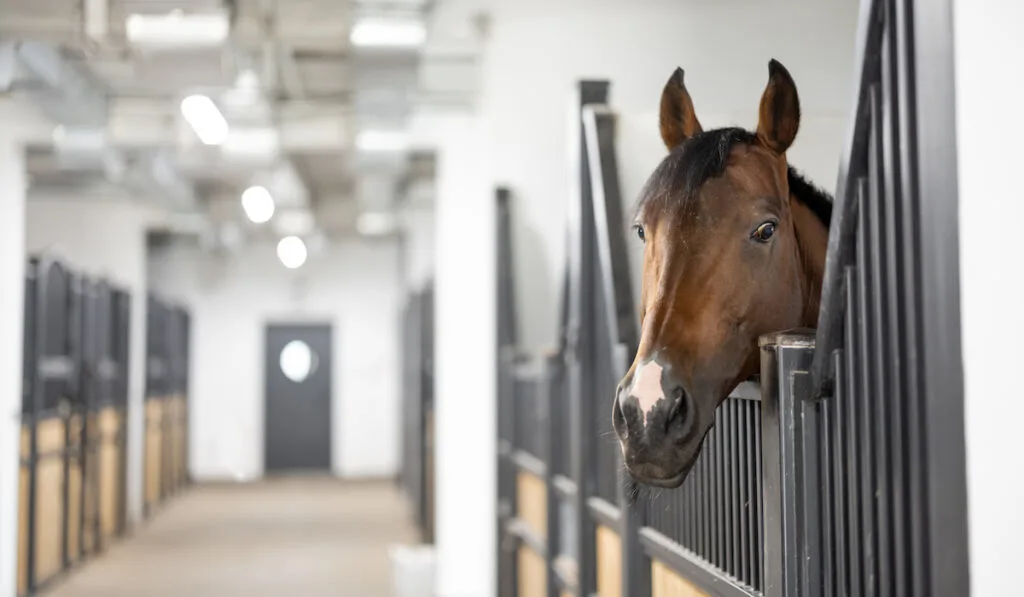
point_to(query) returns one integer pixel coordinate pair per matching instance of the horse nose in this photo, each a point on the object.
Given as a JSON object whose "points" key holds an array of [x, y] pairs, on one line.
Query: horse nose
{"points": [[652, 405]]}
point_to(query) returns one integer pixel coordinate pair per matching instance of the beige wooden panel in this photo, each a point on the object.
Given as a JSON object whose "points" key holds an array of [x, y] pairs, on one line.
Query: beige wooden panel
{"points": [[178, 469], [532, 572], [109, 488], [532, 501], [49, 500], [154, 412], [666, 583], [74, 509], [609, 562], [90, 476], [23, 496]]}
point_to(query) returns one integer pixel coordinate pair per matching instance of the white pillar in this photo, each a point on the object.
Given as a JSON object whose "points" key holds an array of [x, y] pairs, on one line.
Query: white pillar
{"points": [[986, 40], [12, 283], [465, 354]]}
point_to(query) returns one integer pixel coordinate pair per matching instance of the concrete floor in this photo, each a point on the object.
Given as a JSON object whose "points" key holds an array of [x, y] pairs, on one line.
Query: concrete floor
{"points": [[307, 537]]}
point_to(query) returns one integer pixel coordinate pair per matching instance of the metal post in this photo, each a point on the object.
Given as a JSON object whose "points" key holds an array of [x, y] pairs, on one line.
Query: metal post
{"points": [[789, 421]]}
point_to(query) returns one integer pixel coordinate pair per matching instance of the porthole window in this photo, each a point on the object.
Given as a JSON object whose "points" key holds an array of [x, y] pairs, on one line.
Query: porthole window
{"points": [[298, 361]]}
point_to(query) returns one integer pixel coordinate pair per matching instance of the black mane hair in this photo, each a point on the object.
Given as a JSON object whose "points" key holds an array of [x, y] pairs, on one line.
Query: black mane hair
{"points": [[704, 156]]}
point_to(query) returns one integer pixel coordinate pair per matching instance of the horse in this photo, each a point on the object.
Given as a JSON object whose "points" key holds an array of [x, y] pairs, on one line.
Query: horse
{"points": [[734, 247]]}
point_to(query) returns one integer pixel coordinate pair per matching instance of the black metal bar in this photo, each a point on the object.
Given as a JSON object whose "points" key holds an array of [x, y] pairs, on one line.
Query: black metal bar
{"points": [[878, 328], [826, 490], [551, 429], [839, 513], [580, 349], [853, 466], [931, 147]]}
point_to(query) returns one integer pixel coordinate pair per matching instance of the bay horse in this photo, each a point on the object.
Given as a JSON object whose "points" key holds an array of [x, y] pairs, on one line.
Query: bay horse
{"points": [[734, 248]]}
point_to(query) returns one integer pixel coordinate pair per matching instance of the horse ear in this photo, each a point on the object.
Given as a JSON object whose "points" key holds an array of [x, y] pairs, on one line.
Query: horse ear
{"points": [[779, 115], [678, 120]]}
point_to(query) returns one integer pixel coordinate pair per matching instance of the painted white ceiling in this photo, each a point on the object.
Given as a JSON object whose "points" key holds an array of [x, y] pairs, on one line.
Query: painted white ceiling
{"points": [[295, 93]]}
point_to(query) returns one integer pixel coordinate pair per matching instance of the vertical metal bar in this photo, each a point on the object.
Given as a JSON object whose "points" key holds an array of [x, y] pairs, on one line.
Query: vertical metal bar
{"points": [[551, 428], [718, 499], [853, 426], [42, 275], [778, 580], [743, 499], [824, 490], [880, 352], [704, 491], [807, 452], [894, 299], [760, 527], [863, 371], [580, 348], [931, 147], [732, 528], [839, 471]]}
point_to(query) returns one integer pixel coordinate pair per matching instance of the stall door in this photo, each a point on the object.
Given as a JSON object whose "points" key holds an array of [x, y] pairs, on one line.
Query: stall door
{"points": [[298, 397]]}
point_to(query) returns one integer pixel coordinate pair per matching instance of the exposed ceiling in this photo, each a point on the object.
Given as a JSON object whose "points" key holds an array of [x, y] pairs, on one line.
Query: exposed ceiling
{"points": [[302, 102]]}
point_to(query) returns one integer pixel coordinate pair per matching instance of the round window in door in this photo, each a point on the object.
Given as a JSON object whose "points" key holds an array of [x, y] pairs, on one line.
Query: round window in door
{"points": [[298, 361]]}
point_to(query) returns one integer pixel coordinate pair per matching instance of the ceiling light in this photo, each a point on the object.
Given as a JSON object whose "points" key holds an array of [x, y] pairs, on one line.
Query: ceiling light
{"points": [[291, 251], [205, 119], [382, 141], [177, 30], [393, 33], [258, 204]]}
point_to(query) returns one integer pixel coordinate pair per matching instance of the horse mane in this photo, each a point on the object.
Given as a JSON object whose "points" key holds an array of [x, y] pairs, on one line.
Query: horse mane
{"points": [[704, 156]]}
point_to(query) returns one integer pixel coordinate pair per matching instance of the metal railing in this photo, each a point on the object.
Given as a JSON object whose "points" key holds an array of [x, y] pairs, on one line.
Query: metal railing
{"points": [[75, 378], [841, 472]]}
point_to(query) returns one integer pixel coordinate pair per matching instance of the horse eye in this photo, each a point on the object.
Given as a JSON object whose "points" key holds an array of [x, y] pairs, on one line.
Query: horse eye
{"points": [[764, 232], [640, 232]]}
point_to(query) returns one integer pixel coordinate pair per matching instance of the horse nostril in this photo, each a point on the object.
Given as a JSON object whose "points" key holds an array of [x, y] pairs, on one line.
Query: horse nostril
{"points": [[678, 409]]}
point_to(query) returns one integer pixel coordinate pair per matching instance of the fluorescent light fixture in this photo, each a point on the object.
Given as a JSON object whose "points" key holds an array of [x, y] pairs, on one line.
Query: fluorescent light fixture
{"points": [[375, 223], [391, 33], [292, 252], [258, 204], [382, 141], [176, 30], [205, 119]]}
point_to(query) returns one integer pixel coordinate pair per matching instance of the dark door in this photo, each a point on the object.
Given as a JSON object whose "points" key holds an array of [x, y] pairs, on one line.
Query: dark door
{"points": [[298, 397]]}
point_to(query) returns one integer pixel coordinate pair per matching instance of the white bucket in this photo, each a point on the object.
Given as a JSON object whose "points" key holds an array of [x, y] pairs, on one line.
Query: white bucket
{"points": [[412, 570]]}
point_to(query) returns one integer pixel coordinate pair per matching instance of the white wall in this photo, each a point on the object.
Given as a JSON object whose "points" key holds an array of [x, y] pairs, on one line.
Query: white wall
{"points": [[988, 95], [537, 51], [105, 238], [419, 250], [12, 281], [465, 355], [353, 285]]}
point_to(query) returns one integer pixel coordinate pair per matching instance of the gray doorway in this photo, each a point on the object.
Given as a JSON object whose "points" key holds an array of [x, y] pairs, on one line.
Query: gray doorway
{"points": [[298, 397]]}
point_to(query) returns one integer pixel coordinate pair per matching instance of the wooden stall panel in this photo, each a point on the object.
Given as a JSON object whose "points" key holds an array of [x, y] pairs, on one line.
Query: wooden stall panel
{"points": [[609, 563], [90, 476], [109, 472], [74, 509], [23, 496], [74, 493], [665, 582], [49, 515], [533, 576], [154, 452], [532, 501], [179, 441]]}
